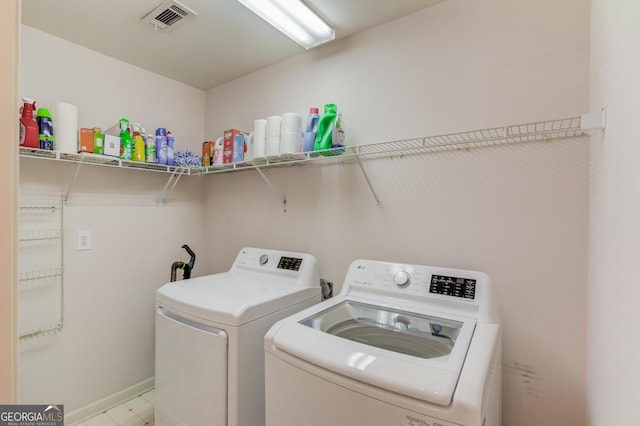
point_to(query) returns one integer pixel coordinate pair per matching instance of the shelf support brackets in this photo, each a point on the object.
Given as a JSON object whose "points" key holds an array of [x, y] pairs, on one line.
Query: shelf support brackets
{"points": [[72, 183], [273, 189], [169, 187], [366, 177]]}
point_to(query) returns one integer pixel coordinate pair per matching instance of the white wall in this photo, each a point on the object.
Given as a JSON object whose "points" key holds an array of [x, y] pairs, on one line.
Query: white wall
{"points": [[518, 213], [106, 90], [614, 273], [107, 342], [9, 34]]}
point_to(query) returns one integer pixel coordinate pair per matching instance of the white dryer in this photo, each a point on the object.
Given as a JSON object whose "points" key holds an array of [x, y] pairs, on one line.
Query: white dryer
{"points": [[403, 345], [210, 336]]}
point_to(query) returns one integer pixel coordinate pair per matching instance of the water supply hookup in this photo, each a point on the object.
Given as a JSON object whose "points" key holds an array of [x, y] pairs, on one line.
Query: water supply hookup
{"points": [[185, 266], [327, 289]]}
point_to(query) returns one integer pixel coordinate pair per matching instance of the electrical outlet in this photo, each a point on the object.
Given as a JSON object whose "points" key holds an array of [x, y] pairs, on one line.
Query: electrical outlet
{"points": [[83, 240]]}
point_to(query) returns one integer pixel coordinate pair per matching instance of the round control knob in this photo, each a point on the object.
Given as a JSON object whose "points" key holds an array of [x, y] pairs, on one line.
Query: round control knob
{"points": [[263, 259], [402, 278]]}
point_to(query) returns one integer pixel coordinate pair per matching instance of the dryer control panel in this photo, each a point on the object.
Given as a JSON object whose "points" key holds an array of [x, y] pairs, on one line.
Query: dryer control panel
{"points": [[297, 266]]}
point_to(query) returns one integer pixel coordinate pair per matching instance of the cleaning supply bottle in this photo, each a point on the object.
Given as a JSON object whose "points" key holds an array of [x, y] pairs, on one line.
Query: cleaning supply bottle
{"points": [[218, 149], [311, 130], [46, 139], [170, 149], [28, 126], [126, 144], [161, 145], [138, 144], [325, 129], [150, 151]]}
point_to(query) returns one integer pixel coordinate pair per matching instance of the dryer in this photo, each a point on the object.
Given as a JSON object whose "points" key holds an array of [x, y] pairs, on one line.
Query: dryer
{"points": [[405, 345], [209, 367]]}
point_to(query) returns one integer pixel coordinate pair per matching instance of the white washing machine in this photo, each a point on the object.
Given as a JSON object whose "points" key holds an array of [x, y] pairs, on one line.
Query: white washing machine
{"points": [[401, 345], [210, 336]]}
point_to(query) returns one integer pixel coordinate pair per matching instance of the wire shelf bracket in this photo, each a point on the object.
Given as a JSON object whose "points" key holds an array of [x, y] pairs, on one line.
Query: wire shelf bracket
{"points": [[170, 185], [273, 189], [366, 177]]}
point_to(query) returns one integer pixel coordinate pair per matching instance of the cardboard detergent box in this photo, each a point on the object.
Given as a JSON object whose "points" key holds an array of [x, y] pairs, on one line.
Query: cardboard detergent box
{"points": [[227, 148], [206, 153], [85, 140], [112, 145]]}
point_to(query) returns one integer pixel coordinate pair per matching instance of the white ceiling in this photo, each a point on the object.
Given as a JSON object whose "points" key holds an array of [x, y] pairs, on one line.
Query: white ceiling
{"points": [[223, 42]]}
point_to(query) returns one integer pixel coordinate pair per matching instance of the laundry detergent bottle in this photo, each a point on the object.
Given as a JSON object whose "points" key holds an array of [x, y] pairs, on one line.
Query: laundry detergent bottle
{"points": [[325, 129], [29, 137], [311, 130]]}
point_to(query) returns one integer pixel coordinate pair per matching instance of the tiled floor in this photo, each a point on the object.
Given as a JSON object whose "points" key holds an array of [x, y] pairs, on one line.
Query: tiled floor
{"points": [[138, 411]]}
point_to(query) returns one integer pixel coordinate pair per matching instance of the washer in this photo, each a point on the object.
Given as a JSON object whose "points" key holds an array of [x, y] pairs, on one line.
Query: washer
{"points": [[210, 336], [403, 345]]}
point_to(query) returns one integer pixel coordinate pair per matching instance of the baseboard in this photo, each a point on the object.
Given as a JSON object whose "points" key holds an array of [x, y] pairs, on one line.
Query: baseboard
{"points": [[109, 402]]}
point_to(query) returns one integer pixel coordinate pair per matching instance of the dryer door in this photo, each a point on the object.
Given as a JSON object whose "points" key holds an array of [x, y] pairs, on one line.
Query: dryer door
{"points": [[191, 372]]}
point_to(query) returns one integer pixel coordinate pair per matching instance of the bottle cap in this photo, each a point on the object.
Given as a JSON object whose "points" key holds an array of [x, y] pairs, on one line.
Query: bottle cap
{"points": [[161, 131], [330, 108], [43, 112], [313, 111]]}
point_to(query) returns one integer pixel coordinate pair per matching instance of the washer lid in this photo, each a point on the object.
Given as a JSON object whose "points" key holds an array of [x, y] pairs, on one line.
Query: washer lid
{"points": [[232, 298], [413, 354]]}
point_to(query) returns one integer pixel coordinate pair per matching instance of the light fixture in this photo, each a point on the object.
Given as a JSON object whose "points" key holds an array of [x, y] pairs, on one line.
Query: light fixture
{"points": [[294, 19]]}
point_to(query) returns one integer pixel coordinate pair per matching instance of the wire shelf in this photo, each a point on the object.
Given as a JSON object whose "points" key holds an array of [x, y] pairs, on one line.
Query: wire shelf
{"points": [[40, 274], [44, 331], [39, 234], [530, 132]]}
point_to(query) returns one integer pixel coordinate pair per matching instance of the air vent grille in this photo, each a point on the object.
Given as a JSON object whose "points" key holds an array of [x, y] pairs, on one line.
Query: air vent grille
{"points": [[169, 14]]}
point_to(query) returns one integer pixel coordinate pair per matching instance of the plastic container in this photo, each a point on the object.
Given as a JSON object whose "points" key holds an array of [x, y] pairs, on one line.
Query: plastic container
{"points": [[161, 145], [150, 149], [45, 134], [138, 146], [311, 130], [170, 149], [28, 127], [126, 143], [218, 153], [98, 141], [325, 129]]}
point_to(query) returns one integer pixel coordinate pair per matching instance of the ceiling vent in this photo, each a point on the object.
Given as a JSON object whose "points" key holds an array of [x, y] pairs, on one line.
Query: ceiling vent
{"points": [[168, 15]]}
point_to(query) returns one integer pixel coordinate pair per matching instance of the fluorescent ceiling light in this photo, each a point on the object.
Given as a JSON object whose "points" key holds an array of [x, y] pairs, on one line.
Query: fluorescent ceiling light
{"points": [[294, 19]]}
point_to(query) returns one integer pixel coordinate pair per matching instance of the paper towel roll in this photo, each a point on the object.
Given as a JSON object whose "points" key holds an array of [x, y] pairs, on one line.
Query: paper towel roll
{"points": [[291, 133], [272, 140], [65, 127], [259, 141]]}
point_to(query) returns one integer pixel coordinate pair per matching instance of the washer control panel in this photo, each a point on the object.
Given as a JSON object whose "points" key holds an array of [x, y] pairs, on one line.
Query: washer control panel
{"points": [[416, 280], [453, 286]]}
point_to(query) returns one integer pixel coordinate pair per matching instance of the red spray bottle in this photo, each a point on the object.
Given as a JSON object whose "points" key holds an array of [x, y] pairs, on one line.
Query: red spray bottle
{"points": [[29, 137]]}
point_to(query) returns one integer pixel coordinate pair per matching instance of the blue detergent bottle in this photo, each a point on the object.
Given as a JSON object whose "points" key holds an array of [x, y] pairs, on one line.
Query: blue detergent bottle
{"points": [[325, 129], [311, 130], [161, 145], [170, 149]]}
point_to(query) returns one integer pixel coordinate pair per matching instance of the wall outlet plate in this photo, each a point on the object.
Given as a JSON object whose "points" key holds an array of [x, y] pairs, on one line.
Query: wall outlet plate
{"points": [[83, 240]]}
